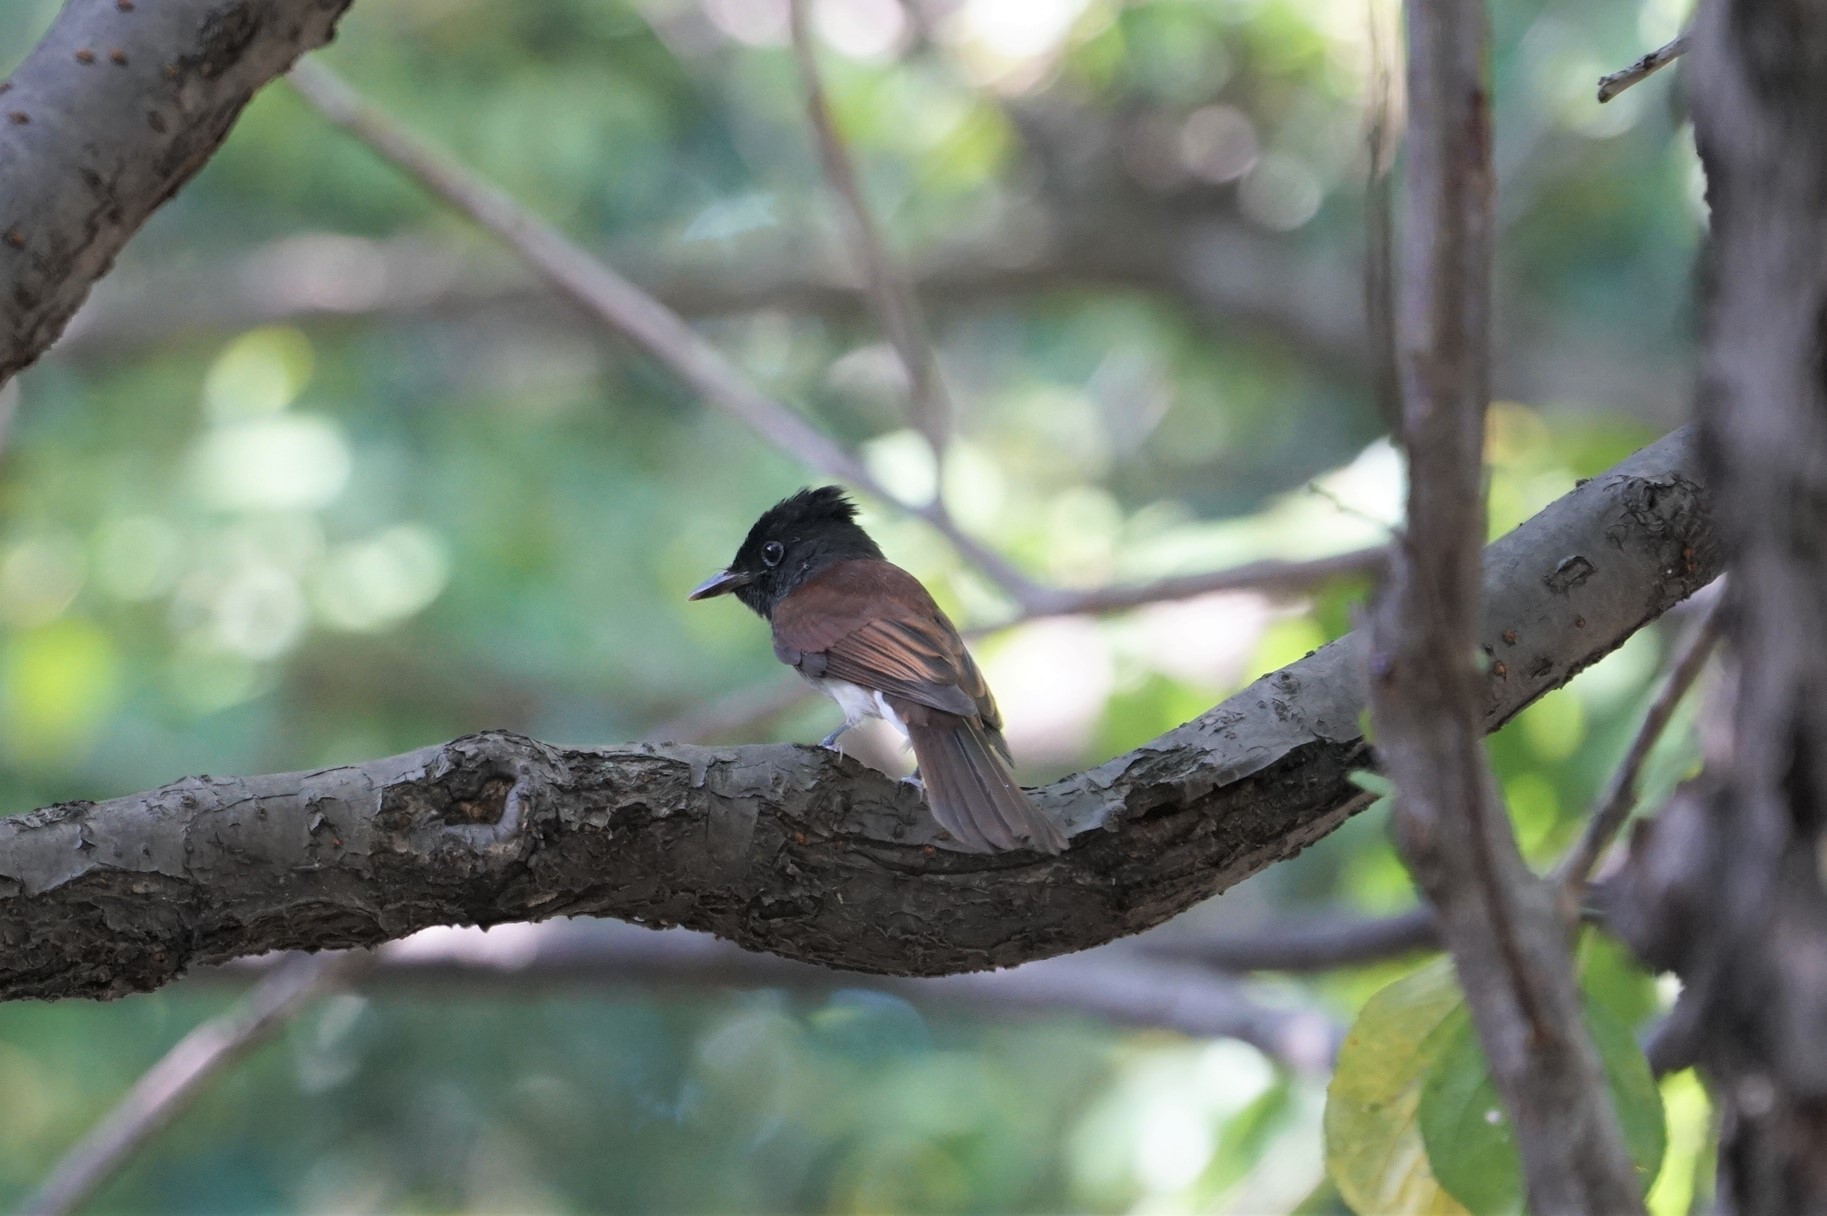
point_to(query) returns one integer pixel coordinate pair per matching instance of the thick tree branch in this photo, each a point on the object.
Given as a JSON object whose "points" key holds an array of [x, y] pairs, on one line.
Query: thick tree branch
{"points": [[1730, 880], [110, 115], [1500, 922], [791, 849]]}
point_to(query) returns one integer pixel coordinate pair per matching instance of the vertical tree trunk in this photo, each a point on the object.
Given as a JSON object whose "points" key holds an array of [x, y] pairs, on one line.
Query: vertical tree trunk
{"points": [[1508, 941], [1755, 958]]}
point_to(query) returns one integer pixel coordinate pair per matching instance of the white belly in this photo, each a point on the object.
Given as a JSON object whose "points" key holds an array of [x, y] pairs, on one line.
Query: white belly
{"points": [[859, 703]]}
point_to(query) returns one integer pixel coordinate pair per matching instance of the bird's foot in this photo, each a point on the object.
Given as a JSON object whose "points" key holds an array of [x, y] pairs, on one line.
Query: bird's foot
{"points": [[913, 779], [829, 742]]}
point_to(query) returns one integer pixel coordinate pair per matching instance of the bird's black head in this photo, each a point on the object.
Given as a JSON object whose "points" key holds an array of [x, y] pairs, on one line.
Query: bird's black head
{"points": [[794, 539]]}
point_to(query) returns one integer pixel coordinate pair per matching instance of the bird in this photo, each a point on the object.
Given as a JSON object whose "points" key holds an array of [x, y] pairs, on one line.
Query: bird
{"points": [[867, 634]]}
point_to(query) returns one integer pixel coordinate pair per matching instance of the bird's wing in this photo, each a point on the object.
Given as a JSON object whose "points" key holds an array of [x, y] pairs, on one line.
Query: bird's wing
{"points": [[872, 624]]}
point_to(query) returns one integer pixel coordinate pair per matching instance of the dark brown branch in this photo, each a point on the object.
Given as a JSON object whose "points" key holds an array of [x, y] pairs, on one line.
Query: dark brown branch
{"points": [[169, 1087], [1499, 921], [1730, 875], [112, 112], [791, 849], [1610, 86]]}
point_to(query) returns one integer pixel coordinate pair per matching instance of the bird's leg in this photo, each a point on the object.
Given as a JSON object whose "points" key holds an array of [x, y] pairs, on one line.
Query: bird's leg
{"points": [[829, 742], [913, 779]]}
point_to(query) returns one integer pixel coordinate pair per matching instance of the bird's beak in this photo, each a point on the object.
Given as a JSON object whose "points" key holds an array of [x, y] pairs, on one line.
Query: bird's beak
{"points": [[721, 583]]}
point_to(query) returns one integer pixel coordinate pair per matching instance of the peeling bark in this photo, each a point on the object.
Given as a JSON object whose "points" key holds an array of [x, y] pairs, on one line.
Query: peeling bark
{"points": [[113, 111], [791, 849]]}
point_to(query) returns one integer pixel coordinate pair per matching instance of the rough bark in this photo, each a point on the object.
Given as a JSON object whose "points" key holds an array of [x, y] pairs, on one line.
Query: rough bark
{"points": [[1509, 944], [113, 111], [790, 849], [1728, 887]]}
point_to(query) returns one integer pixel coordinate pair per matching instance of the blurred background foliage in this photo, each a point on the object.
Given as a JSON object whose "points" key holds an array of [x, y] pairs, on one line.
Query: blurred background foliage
{"points": [[321, 475]]}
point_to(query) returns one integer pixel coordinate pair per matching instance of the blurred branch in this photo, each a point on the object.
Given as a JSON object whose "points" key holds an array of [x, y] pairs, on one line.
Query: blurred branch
{"points": [[895, 303], [1620, 797], [1271, 577], [169, 1087], [1610, 86], [1509, 947], [1381, 140], [624, 308], [794, 850], [733, 712], [1319, 944], [1120, 984], [93, 144], [1237, 282], [9, 406]]}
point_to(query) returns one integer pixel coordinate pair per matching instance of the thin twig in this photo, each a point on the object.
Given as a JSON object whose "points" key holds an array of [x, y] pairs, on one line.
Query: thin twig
{"points": [[896, 306], [168, 1088], [1610, 86], [1317, 944], [1271, 576], [1620, 796], [749, 707], [623, 307], [9, 406], [1380, 139], [665, 336], [732, 712]]}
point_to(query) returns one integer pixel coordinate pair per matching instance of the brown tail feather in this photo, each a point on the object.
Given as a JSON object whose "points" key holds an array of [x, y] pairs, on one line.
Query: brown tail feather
{"points": [[973, 794]]}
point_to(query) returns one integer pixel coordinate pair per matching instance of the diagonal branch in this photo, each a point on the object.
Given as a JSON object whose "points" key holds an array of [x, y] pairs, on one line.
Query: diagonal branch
{"points": [[1610, 86], [791, 849], [1509, 947], [169, 1087], [625, 309], [895, 303], [112, 112], [1620, 796]]}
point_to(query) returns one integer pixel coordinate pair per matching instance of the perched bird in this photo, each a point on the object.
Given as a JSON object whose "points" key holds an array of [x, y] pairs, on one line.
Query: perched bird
{"points": [[865, 633]]}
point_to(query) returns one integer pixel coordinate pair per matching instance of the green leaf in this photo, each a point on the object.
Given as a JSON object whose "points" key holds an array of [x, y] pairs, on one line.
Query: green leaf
{"points": [[1464, 1126], [1374, 1151], [1633, 1089], [1468, 1135]]}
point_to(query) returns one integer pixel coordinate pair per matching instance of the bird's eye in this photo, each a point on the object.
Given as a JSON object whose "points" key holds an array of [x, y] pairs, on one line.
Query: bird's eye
{"points": [[772, 552]]}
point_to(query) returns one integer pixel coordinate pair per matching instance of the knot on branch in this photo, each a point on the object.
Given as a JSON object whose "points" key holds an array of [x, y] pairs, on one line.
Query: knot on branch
{"points": [[475, 797], [1673, 514]]}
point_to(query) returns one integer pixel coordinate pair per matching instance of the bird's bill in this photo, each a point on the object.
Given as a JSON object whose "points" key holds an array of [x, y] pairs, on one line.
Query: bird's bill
{"points": [[721, 583]]}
